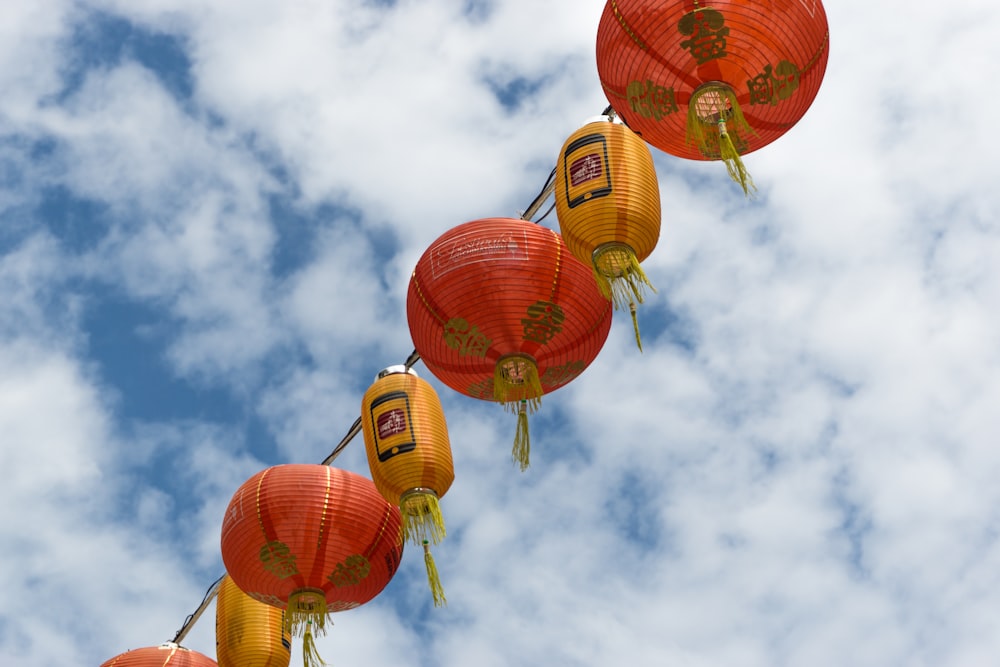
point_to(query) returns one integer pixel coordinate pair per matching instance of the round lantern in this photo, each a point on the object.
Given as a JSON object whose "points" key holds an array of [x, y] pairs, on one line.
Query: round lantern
{"points": [[712, 79], [249, 633], [409, 455], [310, 539], [608, 204], [164, 655], [500, 310]]}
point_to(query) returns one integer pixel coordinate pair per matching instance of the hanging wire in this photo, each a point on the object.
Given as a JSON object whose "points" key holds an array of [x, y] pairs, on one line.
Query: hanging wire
{"points": [[414, 357]]}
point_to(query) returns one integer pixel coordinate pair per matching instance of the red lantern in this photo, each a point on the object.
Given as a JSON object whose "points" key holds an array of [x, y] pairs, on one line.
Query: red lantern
{"points": [[608, 204], [500, 310], [310, 539], [165, 655], [712, 79], [409, 454]]}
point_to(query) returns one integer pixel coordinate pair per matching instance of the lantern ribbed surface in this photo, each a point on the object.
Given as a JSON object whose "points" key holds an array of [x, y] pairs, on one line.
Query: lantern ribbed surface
{"points": [[500, 310], [312, 539], [165, 655], [409, 453], [249, 633], [656, 57], [608, 205]]}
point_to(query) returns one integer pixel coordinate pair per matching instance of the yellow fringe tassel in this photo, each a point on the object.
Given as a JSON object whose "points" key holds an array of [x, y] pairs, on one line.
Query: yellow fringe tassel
{"points": [[422, 518], [306, 611], [521, 453], [714, 105], [635, 325], [310, 654], [619, 275], [437, 590]]}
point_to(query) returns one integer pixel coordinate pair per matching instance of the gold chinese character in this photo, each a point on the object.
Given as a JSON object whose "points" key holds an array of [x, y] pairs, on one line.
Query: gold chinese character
{"points": [[543, 322], [351, 571], [277, 559], [650, 100], [770, 87], [556, 376], [468, 340], [708, 36]]}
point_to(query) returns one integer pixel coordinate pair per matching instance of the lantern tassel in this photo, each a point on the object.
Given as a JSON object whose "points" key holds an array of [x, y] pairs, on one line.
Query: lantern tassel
{"points": [[433, 579], [715, 104], [619, 275], [310, 654], [522, 439], [635, 324], [422, 518]]}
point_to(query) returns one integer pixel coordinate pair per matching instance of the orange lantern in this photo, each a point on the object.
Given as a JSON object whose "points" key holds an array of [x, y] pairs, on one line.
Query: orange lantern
{"points": [[745, 71], [312, 540], [164, 655], [249, 633], [499, 310], [409, 455], [608, 204]]}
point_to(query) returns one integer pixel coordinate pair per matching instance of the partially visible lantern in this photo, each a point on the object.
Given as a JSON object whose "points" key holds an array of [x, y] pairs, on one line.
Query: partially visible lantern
{"points": [[500, 310], [608, 204], [712, 79], [310, 539], [409, 455], [249, 633], [164, 655]]}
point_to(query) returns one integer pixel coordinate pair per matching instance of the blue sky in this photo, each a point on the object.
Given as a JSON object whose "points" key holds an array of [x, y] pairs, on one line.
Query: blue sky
{"points": [[209, 212]]}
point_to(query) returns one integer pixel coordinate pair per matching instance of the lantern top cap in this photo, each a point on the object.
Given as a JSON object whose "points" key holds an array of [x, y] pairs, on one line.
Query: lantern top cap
{"points": [[392, 370], [602, 119]]}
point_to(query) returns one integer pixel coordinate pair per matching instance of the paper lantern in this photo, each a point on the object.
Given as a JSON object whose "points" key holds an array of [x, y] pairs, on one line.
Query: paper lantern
{"points": [[409, 455], [249, 633], [310, 539], [500, 310], [608, 204], [712, 79], [164, 655]]}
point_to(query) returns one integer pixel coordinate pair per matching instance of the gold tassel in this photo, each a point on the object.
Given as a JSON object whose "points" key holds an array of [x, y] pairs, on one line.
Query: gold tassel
{"points": [[306, 609], [437, 590], [422, 518], [635, 324], [310, 654], [522, 439], [619, 275], [715, 104]]}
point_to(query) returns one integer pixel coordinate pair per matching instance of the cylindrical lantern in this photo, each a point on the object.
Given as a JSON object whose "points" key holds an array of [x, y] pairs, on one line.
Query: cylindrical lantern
{"points": [[500, 310], [608, 204], [409, 455], [249, 633], [164, 655], [712, 79], [312, 540]]}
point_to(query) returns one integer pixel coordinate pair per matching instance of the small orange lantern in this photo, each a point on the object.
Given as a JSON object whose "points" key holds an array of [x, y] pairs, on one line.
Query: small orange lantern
{"points": [[249, 633], [409, 455], [712, 79], [164, 655], [312, 540], [608, 204], [500, 310]]}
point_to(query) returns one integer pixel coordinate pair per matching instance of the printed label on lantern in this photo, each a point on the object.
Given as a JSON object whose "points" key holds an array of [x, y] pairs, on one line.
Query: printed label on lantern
{"points": [[585, 161], [390, 414], [774, 84], [482, 389], [556, 376], [476, 246], [268, 598], [342, 605]]}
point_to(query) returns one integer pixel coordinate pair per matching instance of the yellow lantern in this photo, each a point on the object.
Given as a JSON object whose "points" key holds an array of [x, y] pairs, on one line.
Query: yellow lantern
{"points": [[608, 205], [249, 633], [409, 455]]}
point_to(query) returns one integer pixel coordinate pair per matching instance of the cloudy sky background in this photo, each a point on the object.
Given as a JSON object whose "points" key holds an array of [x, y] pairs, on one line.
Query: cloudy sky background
{"points": [[208, 216]]}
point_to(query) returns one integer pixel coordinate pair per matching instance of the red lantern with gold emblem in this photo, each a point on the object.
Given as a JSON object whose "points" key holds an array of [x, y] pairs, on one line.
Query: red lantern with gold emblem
{"points": [[164, 655], [712, 79], [500, 310], [249, 633], [310, 539], [608, 204], [409, 454]]}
